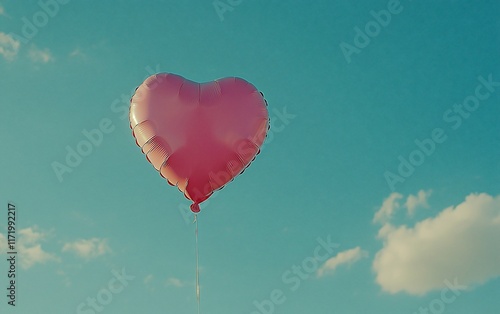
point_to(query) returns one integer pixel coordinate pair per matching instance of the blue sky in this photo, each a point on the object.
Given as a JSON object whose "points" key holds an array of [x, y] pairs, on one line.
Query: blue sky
{"points": [[377, 190]]}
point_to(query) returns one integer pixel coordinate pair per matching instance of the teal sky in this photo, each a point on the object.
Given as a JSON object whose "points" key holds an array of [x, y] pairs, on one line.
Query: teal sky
{"points": [[385, 145]]}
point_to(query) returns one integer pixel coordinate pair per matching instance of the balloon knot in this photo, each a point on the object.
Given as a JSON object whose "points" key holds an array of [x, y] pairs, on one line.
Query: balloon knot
{"points": [[195, 208]]}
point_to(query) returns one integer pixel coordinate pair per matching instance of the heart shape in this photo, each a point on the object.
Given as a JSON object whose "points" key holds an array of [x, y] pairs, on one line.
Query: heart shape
{"points": [[199, 136]]}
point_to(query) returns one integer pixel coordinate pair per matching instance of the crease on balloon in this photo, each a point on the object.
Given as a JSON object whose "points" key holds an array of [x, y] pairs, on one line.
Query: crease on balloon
{"points": [[199, 94], [211, 185], [210, 91], [164, 164], [180, 88], [150, 142], [147, 131], [219, 88], [159, 152]]}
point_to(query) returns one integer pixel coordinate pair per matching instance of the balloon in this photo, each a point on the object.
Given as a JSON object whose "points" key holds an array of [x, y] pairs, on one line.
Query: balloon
{"points": [[198, 136]]}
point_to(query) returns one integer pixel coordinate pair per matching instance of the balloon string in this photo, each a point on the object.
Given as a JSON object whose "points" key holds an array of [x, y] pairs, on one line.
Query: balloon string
{"points": [[197, 263]]}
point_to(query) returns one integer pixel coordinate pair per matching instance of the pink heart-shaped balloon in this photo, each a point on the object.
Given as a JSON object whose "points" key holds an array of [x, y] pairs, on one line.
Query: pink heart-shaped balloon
{"points": [[198, 136]]}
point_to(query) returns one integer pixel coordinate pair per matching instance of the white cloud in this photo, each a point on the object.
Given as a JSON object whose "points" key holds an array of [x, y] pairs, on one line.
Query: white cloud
{"points": [[389, 206], [9, 47], [28, 247], [88, 248], [31, 235], [346, 257], [38, 55], [32, 255], [460, 242], [419, 200], [30, 250], [385, 230]]}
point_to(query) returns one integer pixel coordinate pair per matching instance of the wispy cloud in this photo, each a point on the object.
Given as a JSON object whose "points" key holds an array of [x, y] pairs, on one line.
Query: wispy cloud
{"points": [[88, 248], [31, 235], [392, 203], [454, 244], [81, 218], [38, 55], [3, 12], [65, 278], [9, 47], [3, 244], [148, 279], [29, 248], [388, 208], [348, 257], [172, 281], [78, 53], [33, 255], [419, 200]]}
